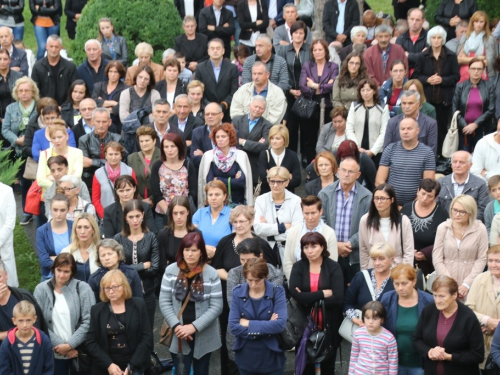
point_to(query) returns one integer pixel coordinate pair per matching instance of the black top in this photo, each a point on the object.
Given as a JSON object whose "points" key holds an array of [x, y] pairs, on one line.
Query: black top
{"points": [[118, 346], [168, 245], [5, 97], [290, 161], [194, 50]]}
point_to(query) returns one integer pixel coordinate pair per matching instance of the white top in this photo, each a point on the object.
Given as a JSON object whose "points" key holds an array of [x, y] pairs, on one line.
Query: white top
{"points": [[61, 320], [337, 141], [170, 98], [253, 13], [273, 9], [189, 7], [385, 227], [278, 159]]}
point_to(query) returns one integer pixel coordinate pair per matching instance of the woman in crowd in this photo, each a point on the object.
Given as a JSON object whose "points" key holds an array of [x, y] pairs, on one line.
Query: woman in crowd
{"points": [[391, 90], [404, 305], [173, 175], [360, 292], [8, 78], [475, 99], [213, 220], [144, 52], [103, 184], [348, 148], [119, 337], [37, 123], [83, 246], [125, 190], [46, 18], [240, 53], [333, 133], [141, 251], [367, 119], [66, 303], [194, 91], [425, 107], [194, 283], [266, 312], [326, 168], [317, 278], [384, 223], [12, 16], [277, 211], [461, 244], [73, 11], [448, 336], [110, 256], [477, 42], [451, 12], [479, 299], [172, 86], [425, 215], [227, 164], [142, 161], [316, 83], [71, 187], [140, 95], [359, 34], [254, 20], [192, 44], [53, 236], [295, 55], [279, 155], [114, 47], [345, 87], [70, 110]]}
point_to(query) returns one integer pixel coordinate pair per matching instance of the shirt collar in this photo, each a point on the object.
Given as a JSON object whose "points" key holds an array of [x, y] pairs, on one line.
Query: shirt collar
{"points": [[318, 228], [250, 121], [453, 181], [353, 189], [257, 58], [182, 122]]}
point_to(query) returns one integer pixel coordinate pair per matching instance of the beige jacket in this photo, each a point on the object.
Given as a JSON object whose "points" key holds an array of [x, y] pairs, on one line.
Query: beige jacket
{"points": [[462, 263], [482, 300], [369, 237], [495, 230]]}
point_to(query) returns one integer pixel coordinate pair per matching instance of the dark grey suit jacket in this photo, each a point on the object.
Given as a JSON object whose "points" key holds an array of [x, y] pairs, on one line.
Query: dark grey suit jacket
{"points": [[223, 89]]}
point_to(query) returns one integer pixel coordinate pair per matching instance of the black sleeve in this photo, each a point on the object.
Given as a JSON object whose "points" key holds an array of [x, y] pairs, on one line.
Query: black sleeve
{"points": [[145, 344], [304, 297], [93, 338], [108, 226], [155, 182], [295, 171], [270, 256], [218, 259], [336, 284], [150, 219], [192, 182], [162, 247]]}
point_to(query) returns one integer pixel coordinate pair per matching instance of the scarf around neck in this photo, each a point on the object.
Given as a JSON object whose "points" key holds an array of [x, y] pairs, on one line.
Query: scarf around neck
{"points": [[181, 284], [475, 44], [224, 162], [112, 174], [25, 113]]}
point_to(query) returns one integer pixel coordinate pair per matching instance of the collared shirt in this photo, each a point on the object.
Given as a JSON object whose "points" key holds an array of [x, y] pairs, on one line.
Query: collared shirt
{"points": [[216, 70], [288, 32], [159, 133], [341, 16], [182, 125], [273, 9], [252, 123], [262, 93], [458, 188], [344, 213], [189, 7], [303, 231], [385, 57], [217, 13], [415, 118], [86, 127], [213, 232], [278, 159], [208, 130]]}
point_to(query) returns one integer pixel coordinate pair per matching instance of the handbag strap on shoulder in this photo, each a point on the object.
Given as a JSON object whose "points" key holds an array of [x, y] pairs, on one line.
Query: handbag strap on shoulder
{"points": [[368, 280]]}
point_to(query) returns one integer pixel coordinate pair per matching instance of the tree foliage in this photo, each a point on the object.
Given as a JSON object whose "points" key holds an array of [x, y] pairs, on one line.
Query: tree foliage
{"points": [[8, 168], [491, 8], [156, 22]]}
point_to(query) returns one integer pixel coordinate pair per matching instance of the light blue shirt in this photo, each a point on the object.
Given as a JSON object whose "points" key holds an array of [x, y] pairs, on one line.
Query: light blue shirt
{"points": [[217, 13], [216, 70], [86, 127], [341, 17], [182, 125], [252, 123], [212, 233]]}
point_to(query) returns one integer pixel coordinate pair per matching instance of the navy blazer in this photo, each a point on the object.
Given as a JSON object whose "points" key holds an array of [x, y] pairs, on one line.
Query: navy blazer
{"points": [[260, 327], [45, 245], [192, 123], [18, 59], [358, 294], [207, 18], [200, 141]]}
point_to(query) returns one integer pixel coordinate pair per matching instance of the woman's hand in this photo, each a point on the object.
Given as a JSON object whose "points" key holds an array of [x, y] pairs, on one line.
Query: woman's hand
{"points": [[20, 141], [73, 353], [114, 370], [462, 291], [310, 83], [210, 251], [147, 265], [274, 316], [420, 256], [244, 322], [327, 293], [358, 322], [436, 354], [62, 349], [185, 332], [238, 175], [471, 128]]}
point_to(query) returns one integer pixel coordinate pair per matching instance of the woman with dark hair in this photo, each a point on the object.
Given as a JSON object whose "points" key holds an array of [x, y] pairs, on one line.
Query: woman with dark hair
{"points": [[254, 19], [240, 53], [384, 223], [333, 133], [70, 110], [46, 18], [8, 78], [391, 90], [73, 11], [172, 86], [316, 83], [451, 12], [141, 94], [141, 251], [125, 190], [348, 148], [65, 303], [114, 47], [448, 335], [192, 283], [317, 278], [173, 175], [345, 87], [326, 168]]}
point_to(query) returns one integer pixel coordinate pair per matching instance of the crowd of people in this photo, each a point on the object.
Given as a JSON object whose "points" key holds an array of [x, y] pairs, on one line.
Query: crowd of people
{"points": [[183, 182]]}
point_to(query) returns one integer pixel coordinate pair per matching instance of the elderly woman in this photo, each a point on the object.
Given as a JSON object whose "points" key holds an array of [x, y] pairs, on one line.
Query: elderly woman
{"points": [[192, 44], [367, 119], [475, 99], [333, 133], [317, 278], [479, 299], [194, 91], [391, 90], [358, 37], [345, 87], [448, 335], [279, 155], [66, 304], [316, 83], [425, 215], [227, 164], [119, 339], [172, 86], [461, 244], [326, 168], [144, 53], [192, 283], [71, 187], [70, 110], [384, 223], [114, 47], [404, 305], [84, 239], [425, 107], [370, 285], [110, 256], [451, 12]]}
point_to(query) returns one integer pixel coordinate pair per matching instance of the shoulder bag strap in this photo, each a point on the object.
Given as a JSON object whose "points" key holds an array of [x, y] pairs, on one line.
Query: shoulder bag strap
{"points": [[366, 274], [107, 176], [268, 157], [85, 210], [183, 306], [401, 234]]}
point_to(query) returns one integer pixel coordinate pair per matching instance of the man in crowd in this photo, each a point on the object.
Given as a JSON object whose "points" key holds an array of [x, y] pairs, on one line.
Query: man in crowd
{"points": [[162, 114], [275, 14], [370, 21], [414, 40], [92, 69], [406, 162], [339, 17], [53, 74], [201, 141], [18, 59], [460, 29], [461, 181], [184, 120], [218, 22], [275, 64], [282, 36], [253, 133], [260, 85], [84, 125]]}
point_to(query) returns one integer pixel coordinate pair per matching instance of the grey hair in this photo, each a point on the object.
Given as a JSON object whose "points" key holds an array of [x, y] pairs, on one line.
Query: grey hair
{"points": [[383, 28], [258, 98], [144, 48], [2, 266], [401, 26], [358, 29], [436, 30], [289, 5], [113, 245], [259, 63], [168, 52], [265, 37], [9, 28], [75, 181], [90, 41], [161, 102], [101, 110], [55, 38], [182, 96], [409, 93], [188, 19], [469, 157]]}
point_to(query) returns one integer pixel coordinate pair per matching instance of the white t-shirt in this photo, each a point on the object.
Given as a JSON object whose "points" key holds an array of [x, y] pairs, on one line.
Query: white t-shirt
{"points": [[61, 319], [385, 227]]}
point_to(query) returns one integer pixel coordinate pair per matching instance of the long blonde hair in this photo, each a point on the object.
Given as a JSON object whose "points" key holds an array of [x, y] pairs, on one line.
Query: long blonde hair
{"points": [[75, 242]]}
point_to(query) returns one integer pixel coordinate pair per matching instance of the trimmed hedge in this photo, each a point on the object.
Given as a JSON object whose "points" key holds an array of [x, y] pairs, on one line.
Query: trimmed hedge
{"points": [[156, 22], [489, 6]]}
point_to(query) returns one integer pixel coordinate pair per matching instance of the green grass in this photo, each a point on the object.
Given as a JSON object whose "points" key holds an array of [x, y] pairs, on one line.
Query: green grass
{"points": [[28, 267], [381, 5]]}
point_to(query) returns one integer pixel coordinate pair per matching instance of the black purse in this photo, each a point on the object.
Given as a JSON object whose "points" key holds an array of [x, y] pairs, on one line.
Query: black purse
{"points": [[304, 107], [490, 367], [295, 326], [319, 345], [156, 367]]}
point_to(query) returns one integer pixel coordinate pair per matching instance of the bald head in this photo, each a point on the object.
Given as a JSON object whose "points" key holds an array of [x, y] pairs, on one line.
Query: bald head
{"points": [[87, 107], [461, 163], [6, 37], [369, 18]]}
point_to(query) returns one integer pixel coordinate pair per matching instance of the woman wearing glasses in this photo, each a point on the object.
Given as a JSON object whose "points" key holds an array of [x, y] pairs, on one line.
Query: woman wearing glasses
{"points": [[461, 244]]}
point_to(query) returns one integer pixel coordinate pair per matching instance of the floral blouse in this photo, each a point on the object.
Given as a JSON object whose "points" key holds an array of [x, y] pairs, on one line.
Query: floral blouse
{"points": [[173, 183]]}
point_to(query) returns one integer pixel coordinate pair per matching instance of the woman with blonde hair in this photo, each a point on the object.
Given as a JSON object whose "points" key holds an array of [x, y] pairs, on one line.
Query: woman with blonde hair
{"points": [[195, 90], [144, 52]]}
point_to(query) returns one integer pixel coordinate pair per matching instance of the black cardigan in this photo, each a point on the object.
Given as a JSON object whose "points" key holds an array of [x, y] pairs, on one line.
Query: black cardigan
{"points": [[138, 330], [245, 19], [167, 249], [464, 341], [290, 162], [113, 219]]}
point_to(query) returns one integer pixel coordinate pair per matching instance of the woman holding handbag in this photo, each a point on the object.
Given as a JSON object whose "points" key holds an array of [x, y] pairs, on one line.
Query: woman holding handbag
{"points": [[316, 278]]}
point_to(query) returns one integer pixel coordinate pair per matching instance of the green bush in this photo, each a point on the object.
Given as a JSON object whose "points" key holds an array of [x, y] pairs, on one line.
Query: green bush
{"points": [[153, 21], [489, 6]]}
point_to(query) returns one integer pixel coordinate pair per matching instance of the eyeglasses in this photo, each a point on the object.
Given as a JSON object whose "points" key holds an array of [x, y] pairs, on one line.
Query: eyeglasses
{"points": [[458, 212], [347, 172], [113, 288], [212, 113], [240, 222], [381, 199], [68, 189], [49, 119], [276, 182]]}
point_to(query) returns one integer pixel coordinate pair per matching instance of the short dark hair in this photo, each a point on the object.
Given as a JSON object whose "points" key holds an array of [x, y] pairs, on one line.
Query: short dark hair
{"points": [[177, 141], [172, 62], [429, 184], [249, 246], [241, 51], [64, 259], [370, 82], [477, 59], [123, 181], [152, 79], [258, 269], [192, 239], [133, 205], [493, 181], [297, 25], [78, 82], [52, 108], [179, 55], [311, 200], [58, 159], [313, 238], [377, 309], [118, 65]]}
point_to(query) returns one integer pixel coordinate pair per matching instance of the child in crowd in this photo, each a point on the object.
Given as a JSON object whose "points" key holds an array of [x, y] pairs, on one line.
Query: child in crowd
{"points": [[374, 349], [26, 350], [186, 75], [240, 55], [493, 207], [30, 56]]}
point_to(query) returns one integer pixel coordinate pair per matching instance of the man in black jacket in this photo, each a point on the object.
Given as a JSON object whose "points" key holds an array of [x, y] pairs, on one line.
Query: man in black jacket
{"points": [[218, 22], [92, 69], [18, 59], [84, 126], [331, 14], [53, 74], [414, 40], [184, 119]]}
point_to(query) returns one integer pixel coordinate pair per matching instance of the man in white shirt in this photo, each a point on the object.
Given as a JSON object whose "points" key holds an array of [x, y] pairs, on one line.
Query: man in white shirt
{"points": [[282, 36]]}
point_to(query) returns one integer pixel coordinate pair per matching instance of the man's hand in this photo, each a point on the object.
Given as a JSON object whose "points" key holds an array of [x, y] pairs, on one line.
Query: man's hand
{"points": [[16, 68], [87, 162], [189, 143], [462, 291], [20, 141], [344, 248], [295, 93], [262, 140], [272, 23], [192, 66], [259, 22], [211, 27], [419, 256], [341, 38], [114, 370], [62, 349], [241, 141], [198, 152], [3, 290], [263, 220], [226, 25], [284, 43]]}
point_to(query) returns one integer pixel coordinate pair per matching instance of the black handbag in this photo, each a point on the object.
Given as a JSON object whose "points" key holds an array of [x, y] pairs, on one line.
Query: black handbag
{"points": [[319, 346], [83, 362], [156, 367], [490, 367], [304, 107], [295, 325]]}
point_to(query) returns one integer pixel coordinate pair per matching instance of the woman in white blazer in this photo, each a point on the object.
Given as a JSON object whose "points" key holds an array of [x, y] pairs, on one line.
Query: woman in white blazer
{"points": [[7, 224]]}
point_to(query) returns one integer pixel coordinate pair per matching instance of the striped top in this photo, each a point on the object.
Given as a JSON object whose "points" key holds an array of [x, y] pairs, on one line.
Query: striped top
{"points": [[373, 354], [26, 351]]}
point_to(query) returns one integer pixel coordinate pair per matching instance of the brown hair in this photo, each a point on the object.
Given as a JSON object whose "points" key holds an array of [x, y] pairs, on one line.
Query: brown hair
{"points": [[328, 156], [57, 128], [325, 46], [118, 65], [493, 181], [146, 130], [216, 184], [44, 102], [370, 82], [444, 281], [339, 111], [311, 200], [475, 17], [64, 259], [172, 62], [475, 60], [256, 268], [404, 270], [377, 309], [115, 146]]}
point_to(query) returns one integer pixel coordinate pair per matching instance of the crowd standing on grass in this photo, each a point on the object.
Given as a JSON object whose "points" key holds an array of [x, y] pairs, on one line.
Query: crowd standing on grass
{"points": [[182, 183]]}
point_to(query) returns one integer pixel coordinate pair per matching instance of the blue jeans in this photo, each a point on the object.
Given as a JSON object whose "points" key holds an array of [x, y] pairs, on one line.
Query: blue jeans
{"points": [[18, 32], [41, 34], [402, 370], [200, 366]]}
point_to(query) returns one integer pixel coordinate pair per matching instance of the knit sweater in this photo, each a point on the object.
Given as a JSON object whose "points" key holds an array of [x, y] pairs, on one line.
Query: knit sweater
{"points": [[276, 64]]}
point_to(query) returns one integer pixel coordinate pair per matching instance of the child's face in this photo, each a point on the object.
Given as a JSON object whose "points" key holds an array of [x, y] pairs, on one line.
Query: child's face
{"points": [[24, 323], [372, 323], [182, 61], [495, 192], [241, 60]]}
